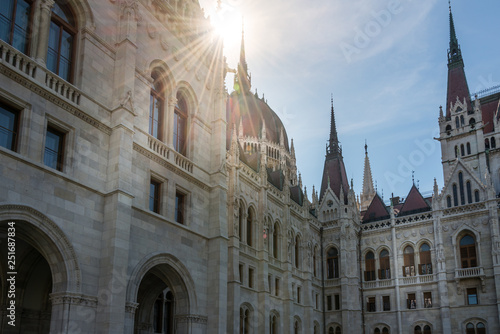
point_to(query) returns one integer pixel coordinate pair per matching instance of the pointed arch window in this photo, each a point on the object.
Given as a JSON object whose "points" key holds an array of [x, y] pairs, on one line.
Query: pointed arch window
{"points": [[462, 150], [455, 194], [156, 107], [468, 148], [456, 151], [476, 195], [425, 267], [332, 263], [493, 142], [448, 201], [163, 313], [418, 330], [244, 321], [15, 23], [315, 266], [385, 265], [457, 122], [462, 121], [297, 251], [330, 331], [276, 231], [273, 326], [250, 227], [180, 125], [409, 261], [427, 329], [461, 187], [62, 33], [487, 143], [469, 192], [240, 222], [370, 266], [468, 253]]}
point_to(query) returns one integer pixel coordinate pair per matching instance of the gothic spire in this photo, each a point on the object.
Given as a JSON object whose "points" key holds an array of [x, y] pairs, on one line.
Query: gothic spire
{"points": [[368, 191], [457, 82], [242, 81], [333, 150]]}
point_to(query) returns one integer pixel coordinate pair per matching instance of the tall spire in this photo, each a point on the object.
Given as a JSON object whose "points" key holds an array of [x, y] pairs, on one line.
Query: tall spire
{"points": [[242, 81], [333, 150], [368, 191], [457, 82], [334, 175]]}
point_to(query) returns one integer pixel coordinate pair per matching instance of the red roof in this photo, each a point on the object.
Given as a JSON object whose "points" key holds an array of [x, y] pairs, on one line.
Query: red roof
{"points": [[376, 210], [335, 170], [489, 105], [414, 202], [457, 87]]}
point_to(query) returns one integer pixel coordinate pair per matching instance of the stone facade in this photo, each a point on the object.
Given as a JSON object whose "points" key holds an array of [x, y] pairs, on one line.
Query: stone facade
{"points": [[146, 199]]}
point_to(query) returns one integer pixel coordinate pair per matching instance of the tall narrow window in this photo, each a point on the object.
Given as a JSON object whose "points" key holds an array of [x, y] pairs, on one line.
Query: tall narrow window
{"points": [[273, 326], [369, 266], [180, 125], [457, 122], [487, 143], [297, 251], [9, 127], [448, 201], [476, 195], [156, 107], [370, 304], [456, 151], [332, 263], [54, 142], [493, 142], [250, 277], [481, 329], [469, 192], [418, 330], [468, 148], [385, 265], [276, 287], [411, 301], [154, 196], [329, 303], [462, 150], [427, 299], [61, 39], [409, 261], [386, 303], [15, 21], [462, 120], [315, 271], [425, 260], [461, 187], [427, 329], [455, 195], [337, 302], [180, 199], [469, 329], [275, 240], [468, 252], [249, 227], [240, 222]]}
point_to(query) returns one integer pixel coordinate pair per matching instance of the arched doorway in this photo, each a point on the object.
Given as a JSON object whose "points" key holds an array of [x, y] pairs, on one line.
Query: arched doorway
{"points": [[163, 293]]}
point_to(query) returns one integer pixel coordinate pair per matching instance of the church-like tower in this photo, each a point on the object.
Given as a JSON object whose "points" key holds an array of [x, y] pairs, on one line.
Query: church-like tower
{"points": [[368, 191]]}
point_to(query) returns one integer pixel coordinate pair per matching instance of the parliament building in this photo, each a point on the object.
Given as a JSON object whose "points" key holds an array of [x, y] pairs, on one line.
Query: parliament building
{"points": [[144, 197]]}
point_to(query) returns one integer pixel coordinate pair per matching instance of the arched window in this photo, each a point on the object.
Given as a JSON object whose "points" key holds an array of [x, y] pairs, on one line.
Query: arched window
{"points": [[469, 329], [377, 331], [455, 194], [180, 125], [163, 313], [385, 265], [276, 231], [486, 143], [418, 330], [315, 270], [456, 151], [244, 321], [425, 259], [338, 330], [297, 253], [448, 201], [448, 129], [296, 327], [461, 187], [156, 107], [332, 263], [385, 330], [62, 32], [462, 122], [15, 18], [331, 330], [457, 122], [240, 222], [369, 266], [480, 328], [493, 142], [273, 325], [468, 148], [427, 329], [462, 150], [476, 195], [409, 261], [250, 227], [469, 192], [468, 251]]}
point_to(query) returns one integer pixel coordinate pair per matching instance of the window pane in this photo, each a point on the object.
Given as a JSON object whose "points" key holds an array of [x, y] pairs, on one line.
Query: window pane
{"points": [[53, 149], [52, 52], [20, 36], [8, 128]]}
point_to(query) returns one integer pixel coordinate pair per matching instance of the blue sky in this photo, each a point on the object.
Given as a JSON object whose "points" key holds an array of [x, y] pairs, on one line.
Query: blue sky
{"points": [[385, 63]]}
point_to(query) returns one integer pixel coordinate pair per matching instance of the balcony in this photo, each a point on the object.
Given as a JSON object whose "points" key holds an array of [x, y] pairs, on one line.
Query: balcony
{"points": [[417, 279], [469, 273], [378, 284]]}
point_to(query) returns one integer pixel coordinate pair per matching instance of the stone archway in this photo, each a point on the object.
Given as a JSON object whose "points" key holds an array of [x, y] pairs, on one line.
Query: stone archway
{"points": [[162, 277]]}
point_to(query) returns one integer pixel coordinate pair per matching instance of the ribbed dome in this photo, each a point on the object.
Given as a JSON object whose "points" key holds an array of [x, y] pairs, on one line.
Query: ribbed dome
{"points": [[251, 112]]}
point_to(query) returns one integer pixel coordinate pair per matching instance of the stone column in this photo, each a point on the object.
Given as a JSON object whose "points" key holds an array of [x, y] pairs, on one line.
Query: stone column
{"points": [[43, 35], [168, 121]]}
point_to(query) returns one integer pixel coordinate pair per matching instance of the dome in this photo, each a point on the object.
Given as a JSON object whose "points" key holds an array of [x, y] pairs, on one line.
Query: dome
{"points": [[253, 114]]}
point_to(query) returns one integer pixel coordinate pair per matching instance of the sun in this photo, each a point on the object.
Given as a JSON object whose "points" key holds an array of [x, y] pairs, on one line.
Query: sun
{"points": [[228, 25]]}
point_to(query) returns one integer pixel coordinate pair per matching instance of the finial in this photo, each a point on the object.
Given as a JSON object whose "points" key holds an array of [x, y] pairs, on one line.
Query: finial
{"points": [[366, 148], [413, 177]]}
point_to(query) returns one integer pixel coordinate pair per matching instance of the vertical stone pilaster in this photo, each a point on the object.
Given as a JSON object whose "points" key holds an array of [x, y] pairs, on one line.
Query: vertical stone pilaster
{"points": [[44, 26]]}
